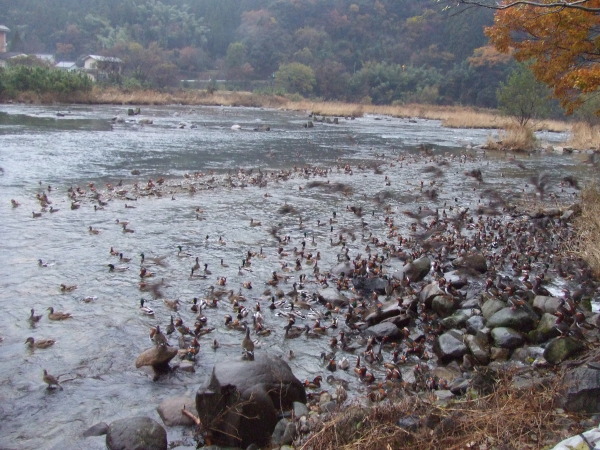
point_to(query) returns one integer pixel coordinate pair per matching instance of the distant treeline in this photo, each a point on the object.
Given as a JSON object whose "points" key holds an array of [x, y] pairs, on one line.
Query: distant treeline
{"points": [[379, 51]]}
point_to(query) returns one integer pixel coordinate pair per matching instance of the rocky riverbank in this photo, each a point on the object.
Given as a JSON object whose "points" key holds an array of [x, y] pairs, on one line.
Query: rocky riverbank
{"points": [[437, 319]]}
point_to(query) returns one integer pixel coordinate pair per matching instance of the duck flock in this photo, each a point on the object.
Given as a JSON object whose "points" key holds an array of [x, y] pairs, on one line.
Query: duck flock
{"points": [[320, 261]]}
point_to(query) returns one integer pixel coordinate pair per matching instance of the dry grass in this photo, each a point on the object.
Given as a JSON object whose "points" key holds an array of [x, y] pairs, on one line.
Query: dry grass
{"points": [[585, 136], [515, 138], [506, 418], [588, 227]]}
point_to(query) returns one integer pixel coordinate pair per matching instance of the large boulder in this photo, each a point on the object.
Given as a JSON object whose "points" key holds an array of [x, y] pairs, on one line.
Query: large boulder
{"points": [[450, 346], [545, 329], [158, 357], [415, 271], [367, 285], [473, 261], [491, 306], [546, 304], [170, 409], [521, 319], [582, 390], [505, 337], [241, 400], [387, 310], [136, 433], [384, 330], [561, 348]]}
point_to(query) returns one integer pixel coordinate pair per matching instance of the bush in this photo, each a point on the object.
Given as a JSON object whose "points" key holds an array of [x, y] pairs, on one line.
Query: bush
{"points": [[42, 80]]}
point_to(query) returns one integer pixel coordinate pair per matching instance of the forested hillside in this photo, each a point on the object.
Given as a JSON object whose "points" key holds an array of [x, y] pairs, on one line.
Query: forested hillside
{"points": [[379, 51]]}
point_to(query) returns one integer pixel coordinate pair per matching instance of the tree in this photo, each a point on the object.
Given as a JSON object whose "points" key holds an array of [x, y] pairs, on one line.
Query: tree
{"points": [[296, 77], [523, 97], [559, 37]]}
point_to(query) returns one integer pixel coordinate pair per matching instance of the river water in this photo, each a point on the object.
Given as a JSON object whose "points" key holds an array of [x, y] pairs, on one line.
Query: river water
{"points": [[95, 352]]}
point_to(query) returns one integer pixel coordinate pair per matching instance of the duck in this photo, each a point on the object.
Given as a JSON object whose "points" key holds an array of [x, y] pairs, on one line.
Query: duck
{"points": [[145, 273], [51, 380], [123, 259], [67, 288], [171, 327], [113, 268], [93, 230], [195, 307], [171, 304], [157, 336], [36, 215], [181, 253], [14, 203], [58, 315], [291, 331], [33, 319], [254, 223], [315, 383], [40, 343], [146, 309], [247, 343]]}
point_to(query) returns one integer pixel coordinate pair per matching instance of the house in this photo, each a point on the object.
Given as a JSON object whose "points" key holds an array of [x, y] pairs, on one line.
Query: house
{"points": [[100, 68], [69, 66], [3, 41], [6, 56]]}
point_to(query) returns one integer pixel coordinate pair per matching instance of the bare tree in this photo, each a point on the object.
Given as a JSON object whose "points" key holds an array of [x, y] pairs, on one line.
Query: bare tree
{"points": [[583, 5]]}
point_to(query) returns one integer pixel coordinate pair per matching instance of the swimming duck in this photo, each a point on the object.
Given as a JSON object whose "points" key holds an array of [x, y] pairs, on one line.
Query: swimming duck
{"points": [[171, 304], [171, 327], [93, 230], [144, 273], [113, 268], [14, 203], [65, 288], [33, 319], [146, 309], [123, 259], [51, 380], [40, 343], [36, 215], [58, 315]]}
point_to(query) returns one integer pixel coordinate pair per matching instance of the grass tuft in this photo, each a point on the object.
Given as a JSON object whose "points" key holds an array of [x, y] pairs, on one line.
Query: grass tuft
{"points": [[588, 227]]}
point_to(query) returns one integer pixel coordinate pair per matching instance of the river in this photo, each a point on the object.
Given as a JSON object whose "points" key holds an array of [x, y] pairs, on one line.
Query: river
{"points": [[51, 149]]}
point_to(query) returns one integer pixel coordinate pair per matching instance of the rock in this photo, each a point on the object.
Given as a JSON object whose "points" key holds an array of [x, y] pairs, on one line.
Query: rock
{"points": [[545, 329], [346, 268], [546, 304], [384, 329], [367, 285], [456, 320], [475, 324], [505, 337], [559, 349], [387, 310], [414, 271], [409, 423], [521, 319], [157, 357], [401, 321], [449, 346], [443, 305], [96, 430], [459, 386], [284, 432], [582, 390], [136, 433], [479, 348], [474, 261], [187, 366], [499, 354], [491, 307], [430, 291], [241, 399], [300, 409], [333, 296], [169, 411]]}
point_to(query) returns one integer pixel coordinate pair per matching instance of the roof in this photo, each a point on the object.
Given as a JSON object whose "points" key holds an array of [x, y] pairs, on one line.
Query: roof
{"points": [[9, 55], [66, 64], [103, 58], [3, 28]]}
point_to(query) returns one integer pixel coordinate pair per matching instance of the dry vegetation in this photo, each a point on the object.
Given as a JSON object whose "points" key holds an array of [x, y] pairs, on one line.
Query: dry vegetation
{"points": [[588, 226], [585, 136], [515, 138], [505, 418]]}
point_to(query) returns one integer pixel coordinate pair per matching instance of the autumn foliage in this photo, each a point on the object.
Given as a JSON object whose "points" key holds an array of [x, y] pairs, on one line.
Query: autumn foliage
{"points": [[562, 43]]}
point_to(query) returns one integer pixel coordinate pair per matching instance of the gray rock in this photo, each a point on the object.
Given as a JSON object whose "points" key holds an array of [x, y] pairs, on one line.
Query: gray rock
{"points": [[478, 348], [241, 400], [409, 423], [545, 329], [367, 285], [582, 390], [456, 320], [505, 337], [384, 329], [443, 305], [416, 270], [491, 306], [388, 310], [450, 346], [475, 324], [136, 433], [546, 304], [333, 296], [280, 437], [96, 430], [521, 319], [499, 354], [169, 411], [430, 291], [300, 409], [559, 349], [474, 261]]}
